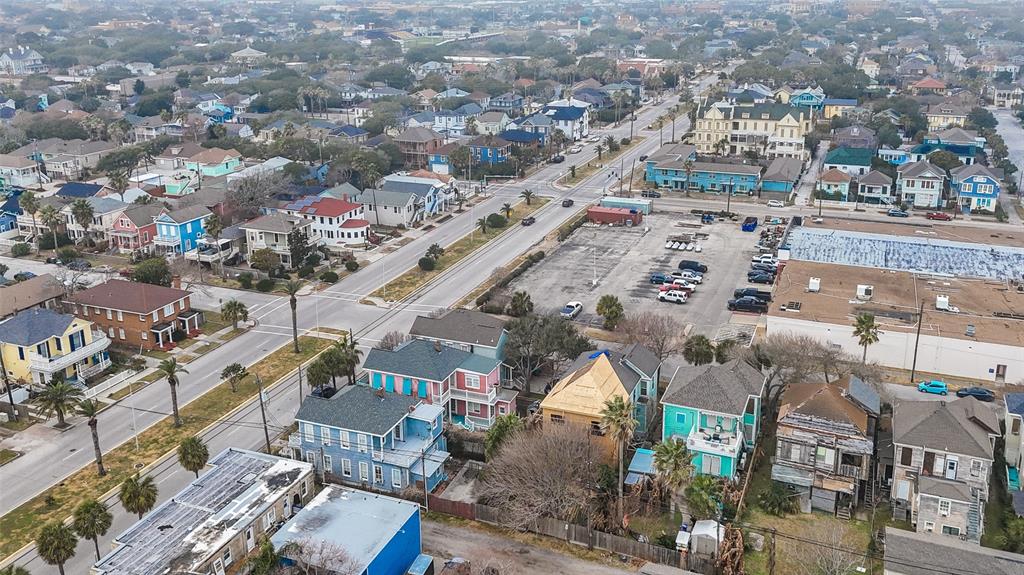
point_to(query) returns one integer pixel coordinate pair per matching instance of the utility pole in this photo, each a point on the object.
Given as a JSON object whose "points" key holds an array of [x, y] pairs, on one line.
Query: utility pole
{"points": [[728, 197], [423, 472], [263, 412], [917, 339], [633, 169], [771, 553], [300, 384]]}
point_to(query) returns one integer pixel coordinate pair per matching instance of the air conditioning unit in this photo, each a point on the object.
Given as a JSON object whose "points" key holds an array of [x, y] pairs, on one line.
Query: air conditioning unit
{"points": [[814, 285], [942, 303], [864, 292]]}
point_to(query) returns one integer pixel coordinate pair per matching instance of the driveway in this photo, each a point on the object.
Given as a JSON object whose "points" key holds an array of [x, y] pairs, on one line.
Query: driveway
{"points": [[484, 548]]}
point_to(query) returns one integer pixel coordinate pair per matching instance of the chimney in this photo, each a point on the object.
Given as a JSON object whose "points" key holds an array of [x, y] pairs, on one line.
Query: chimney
{"points": [[176, 282]]}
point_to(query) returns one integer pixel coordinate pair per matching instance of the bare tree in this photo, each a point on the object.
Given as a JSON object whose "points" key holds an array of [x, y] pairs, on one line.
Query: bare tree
{"points": [[831, 554], [550, 471], [659, 333], [315, 557], [391, 340], [247, 195]]}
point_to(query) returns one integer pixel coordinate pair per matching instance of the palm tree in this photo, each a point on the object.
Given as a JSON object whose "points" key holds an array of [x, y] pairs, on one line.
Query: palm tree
{"points": [[138, 494], [213, 228], [672, 463], [234, 311], [83, 213], [528, 196], [234, 373], [319, 373], [703, 496], [29, 203], [600, 150], [350, 354], [292, 288], [14, 570], [91, 521], [698, 350], [520, 305], [617, 420], [91, 408], [866, 331], [170, 369], [50, 217], [482, 223], [56, 544], [688, 168], [118, 182], [193, 454], [507, 208], [59, 397]]}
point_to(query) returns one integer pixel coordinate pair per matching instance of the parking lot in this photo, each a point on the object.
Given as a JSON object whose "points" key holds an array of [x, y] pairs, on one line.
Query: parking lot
{"points": [[622, 259]]}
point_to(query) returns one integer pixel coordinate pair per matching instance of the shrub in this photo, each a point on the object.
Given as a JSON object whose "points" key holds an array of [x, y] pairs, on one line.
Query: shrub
{"points": [[305, 271], [20, 250], [313, 259], [351, 265], [46, 240], [265, 284], [777, 500], [245, 280], [67, 254], [624, 141], [177, 335], [536, 256], [496, 221], [329, 277], [427, 264]]}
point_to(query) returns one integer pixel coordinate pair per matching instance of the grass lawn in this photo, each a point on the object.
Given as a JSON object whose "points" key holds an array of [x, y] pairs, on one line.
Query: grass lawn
{"points": [[22, 424], [214, 322], [585, 171], [21, 524], [157, 354], [406, 283], [187, 342], [7, 455]]}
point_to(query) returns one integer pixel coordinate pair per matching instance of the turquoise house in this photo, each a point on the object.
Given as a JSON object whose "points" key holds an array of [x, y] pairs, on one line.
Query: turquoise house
{"points": [[215, 162], [716, 410]]}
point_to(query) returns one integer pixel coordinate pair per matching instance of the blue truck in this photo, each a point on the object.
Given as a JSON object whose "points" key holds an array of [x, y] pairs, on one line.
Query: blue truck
{"points": [[749, 224]]}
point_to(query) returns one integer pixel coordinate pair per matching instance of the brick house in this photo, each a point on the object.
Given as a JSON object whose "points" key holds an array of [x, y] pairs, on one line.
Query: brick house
{"points": [[137, 315]]}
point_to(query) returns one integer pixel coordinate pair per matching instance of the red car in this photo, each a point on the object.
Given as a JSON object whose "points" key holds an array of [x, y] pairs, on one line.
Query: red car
{"points": [[941, 216], [685, 287]]}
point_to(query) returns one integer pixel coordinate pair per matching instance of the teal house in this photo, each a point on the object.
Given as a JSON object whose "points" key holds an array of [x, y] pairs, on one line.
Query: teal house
{"points": [[215, 162], [716, 410]]}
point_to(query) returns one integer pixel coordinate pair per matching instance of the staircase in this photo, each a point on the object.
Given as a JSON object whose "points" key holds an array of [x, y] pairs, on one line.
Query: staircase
{"points": [[843, 513], [974, 519]]}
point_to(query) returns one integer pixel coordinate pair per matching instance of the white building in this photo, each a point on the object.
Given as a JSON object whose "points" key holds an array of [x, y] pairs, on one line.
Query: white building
{"points": [[22, 61]]}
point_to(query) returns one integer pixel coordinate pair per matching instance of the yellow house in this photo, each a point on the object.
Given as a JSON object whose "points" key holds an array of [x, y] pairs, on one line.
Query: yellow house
{"points": [[579, 398], [36, 344]]}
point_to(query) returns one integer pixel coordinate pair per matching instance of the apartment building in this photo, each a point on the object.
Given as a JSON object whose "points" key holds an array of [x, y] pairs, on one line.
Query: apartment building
{"points": [[770, 130], [137, 315]]}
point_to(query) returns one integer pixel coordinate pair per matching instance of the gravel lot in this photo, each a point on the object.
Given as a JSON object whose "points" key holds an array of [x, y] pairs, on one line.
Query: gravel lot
{"points": [[622, 259]]}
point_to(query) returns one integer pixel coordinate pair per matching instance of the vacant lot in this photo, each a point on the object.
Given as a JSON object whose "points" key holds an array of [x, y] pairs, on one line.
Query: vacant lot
{"points": [[621, 261]]}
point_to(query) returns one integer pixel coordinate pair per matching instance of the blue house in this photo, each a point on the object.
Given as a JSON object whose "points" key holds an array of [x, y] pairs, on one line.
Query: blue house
{"points": [[669, 163], [78, 190], [178, 231], [711, 177], [535, 124], [379, 535], [976, 187], [809, 98], [434, 194], [782, 175], [895, 156], [507, 102], [9, 211], [490, 150], [965, 144], [522, 138], [364, 437]]}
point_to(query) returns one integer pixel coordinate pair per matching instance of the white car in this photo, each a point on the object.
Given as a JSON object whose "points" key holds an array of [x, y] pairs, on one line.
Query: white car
{"points": [[575, 149], [571, 310], [776, 204], [594, 139], [672, 296], [688, 275], [764, 259]]}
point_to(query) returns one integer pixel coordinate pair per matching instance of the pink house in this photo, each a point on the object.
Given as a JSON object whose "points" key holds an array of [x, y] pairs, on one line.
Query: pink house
{"points": [[134, 228]]}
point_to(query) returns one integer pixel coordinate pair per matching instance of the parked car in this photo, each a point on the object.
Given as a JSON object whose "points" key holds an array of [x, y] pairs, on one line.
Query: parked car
{"points": [[764, 259], [693, 265], [22, 276], [79, 265], [557, 159], [642, 158], [979, 393], [689, 275], [575, 149], [764, 267], [572, 309], [594, 139], [567, 203], [650, 194], [673, 296], [934, 386], [751, 304], [528, 221], [762, 295], [896, 213], [776, 204], [941, 216], [660, 278], [679, 285], [757, 277]]}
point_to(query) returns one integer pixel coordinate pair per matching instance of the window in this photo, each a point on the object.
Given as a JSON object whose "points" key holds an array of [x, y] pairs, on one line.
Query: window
{"points": [[168, 310], [344, 439], [472, 381], [271, 516], [950, 530], [398, 432], [142, 317], [378, 474], [110, 314], [825, 457], [364, 471], [929, 526], [305, 488], [555, 418], [346, 467], [976, 468], [906, 456], [1015, 426], [325, 435], [156, 316], [120, 333], [595, 428], [145, 335], [396, 478], [361, 442], [307, 432], [327, 464], [120, 316], [110, 331], [227, 558], [944, 506]]}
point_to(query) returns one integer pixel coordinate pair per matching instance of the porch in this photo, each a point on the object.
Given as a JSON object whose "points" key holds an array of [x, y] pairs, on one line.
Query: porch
{"points": [[163, 335]]}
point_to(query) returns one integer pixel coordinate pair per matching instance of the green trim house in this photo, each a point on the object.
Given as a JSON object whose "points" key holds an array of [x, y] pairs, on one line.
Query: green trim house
{"points": [[716, 409], [215, 162]]}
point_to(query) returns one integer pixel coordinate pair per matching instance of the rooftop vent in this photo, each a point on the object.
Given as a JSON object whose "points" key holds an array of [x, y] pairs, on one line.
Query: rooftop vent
{"points": [[864, 292], [814, 285]]}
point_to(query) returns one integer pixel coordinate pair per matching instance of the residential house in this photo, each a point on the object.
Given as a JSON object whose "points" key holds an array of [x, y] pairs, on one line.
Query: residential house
{"points": [[920, 184], [522, 139], [42, 291], [708, 176], [966, 145], [781, 176], [976, 187], [215, 522], [30, 226], [571, 117], [39, 343], [825, 444], [451, 93], [153, 127], [895, 156], [490, 150], [137, 315], [538, 124], [870, 67], [948, 114], [392, 209], [509, 103], [716, 410], [1006, 95], [928, 86], [140, 68], [215, 162], [21, 171], [177, 232], [664, 166], [837, 107], [417, 144], [105, 211], [809, 98], [271, 232], [266, 167], [383, 93], [378, 535], [855, 137], [78, 190], [1013, 448], [440, 160], [363, 437], [337, 222], [943, 458], [71, 159], [126, 87], [248, 56], [22, 61], [909, 553], [833, 184], [492, 123], [876, 187], [466, 385], [175, 156], [770, 130], [134, 228], [433, 196], [468, 330], [850, 161]]}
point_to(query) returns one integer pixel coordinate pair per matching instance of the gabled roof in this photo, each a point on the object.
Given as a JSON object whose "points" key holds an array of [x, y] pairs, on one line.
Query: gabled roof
{"points": [[835, 175], [960, 426], [128, 296], [954, 135], [418, 358], [79, 190], [418, 134], [783, 170], [357, 408], [521, 136], [103, 205], [142, 214], [460, 325], [488, 141], [321, 206], [825, 402], [911, 553], [411, 184], [276, 222], [22, 295], [875, 178], [33, 326], [385, 198], [944, 488], [929, 83], [920, 168], [211, 156], [187, 214], [721, 388], [585, 390], [1014, 403], [850, 156], [964, 172]]}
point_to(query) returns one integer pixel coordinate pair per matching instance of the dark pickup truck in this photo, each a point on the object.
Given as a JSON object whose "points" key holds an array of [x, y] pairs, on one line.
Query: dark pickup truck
{"points": [[765, 296], [751, 304]]}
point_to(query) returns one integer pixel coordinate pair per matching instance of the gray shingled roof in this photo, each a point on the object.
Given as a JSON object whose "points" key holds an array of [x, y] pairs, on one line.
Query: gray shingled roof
{"points": [[357, 408], [461, 325], [383, 198], [641, 358], [721, 388], [909, 553], [33, 326], [1014, 403], [875, 178], [276, 222], [189, 214], [961, 426], [417, 358], [944, 488]]}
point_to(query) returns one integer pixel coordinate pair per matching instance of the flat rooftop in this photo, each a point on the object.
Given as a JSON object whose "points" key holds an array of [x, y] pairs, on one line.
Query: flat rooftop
{"points": [[184, 531], [911, 253], [925, 230], [994, 308], [360, 522]]}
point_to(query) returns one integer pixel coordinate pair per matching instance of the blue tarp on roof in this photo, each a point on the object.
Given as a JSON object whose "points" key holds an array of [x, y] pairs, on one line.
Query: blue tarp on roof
{"points": [[641, 465], [79, 190]]}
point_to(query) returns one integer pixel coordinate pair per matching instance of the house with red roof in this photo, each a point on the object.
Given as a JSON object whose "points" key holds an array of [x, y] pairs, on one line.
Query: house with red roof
{"points": [[927, 86], [340, 223]]}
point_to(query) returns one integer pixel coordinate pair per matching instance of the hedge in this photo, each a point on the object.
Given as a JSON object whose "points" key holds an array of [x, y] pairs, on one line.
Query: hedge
{"points": [[20, 250], [565, 231], [352, 265], [265, 284], [329, 277], [508, 278]]}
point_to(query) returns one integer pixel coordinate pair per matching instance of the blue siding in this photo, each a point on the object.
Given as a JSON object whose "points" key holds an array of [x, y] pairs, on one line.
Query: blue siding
{"points": [[399, 553]]}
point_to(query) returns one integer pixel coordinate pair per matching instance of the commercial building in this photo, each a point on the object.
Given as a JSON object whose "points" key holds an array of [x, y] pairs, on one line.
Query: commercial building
{"points": [[769, 130]]}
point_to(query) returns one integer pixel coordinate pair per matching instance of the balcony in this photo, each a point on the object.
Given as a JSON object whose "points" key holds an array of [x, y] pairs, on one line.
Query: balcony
{"points": [[487, 398], [295, 440], [167, 240], [210, 255], [49, 365], [726, 444]]}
